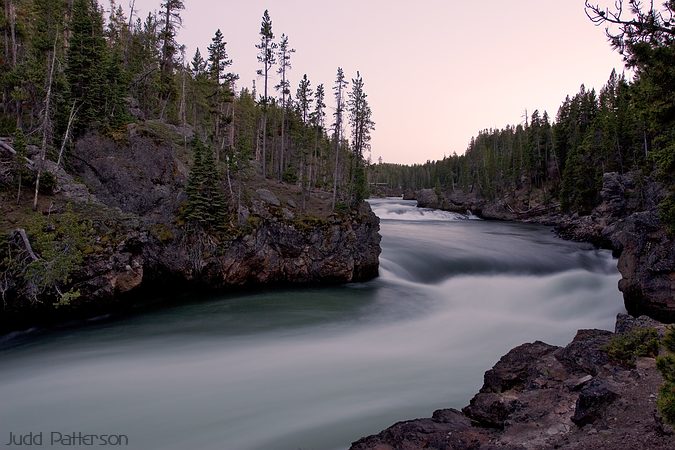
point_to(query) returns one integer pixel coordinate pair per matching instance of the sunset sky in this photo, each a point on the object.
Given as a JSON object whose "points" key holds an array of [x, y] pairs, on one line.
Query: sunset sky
{"points": [[436, 71]]}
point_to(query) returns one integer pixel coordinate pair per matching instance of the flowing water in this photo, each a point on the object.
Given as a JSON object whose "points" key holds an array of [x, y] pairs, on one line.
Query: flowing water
{"points": [[315, 368]]}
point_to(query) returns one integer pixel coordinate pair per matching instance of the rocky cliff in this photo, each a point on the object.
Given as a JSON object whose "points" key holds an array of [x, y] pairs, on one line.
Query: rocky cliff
{"points": [[130, 191], [540, 396], [627, 221]]}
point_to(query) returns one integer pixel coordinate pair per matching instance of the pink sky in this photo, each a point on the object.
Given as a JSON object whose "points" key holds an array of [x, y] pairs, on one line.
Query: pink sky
{"points": [[436, 71]]}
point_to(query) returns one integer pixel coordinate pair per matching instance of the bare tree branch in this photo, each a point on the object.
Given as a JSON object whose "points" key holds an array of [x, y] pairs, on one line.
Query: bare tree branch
{"points": [[646, 24]]}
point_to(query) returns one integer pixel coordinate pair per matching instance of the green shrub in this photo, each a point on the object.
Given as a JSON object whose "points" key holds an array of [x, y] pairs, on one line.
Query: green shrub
{"points": [[667, 212], [626, 348], [290, 176], [669, 339], [47, 183], [666, 365], [162, 233], [60, 241], [341, 208]]}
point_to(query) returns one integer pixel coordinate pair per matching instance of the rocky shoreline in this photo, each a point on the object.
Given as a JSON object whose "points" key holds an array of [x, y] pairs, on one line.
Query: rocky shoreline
{"points": [[626, 221], [540, 396], [130, 193]]}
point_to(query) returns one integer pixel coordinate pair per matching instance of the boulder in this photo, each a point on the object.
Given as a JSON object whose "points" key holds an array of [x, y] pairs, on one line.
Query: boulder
{"points": [[268, 197], [593, 401]]}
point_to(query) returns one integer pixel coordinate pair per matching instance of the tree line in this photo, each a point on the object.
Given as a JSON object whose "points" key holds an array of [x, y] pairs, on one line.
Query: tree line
{"points": [[626, 126], [69, 67]]}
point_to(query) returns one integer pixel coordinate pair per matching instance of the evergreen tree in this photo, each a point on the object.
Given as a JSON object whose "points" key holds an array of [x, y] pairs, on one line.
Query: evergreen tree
{"points": [[317, 120], [266, 57], [339, 87], [218, 59], [222, 91], [206, 206], [170, 21], [198, 65], [284, 58], [85, 65], [361, 126], [303, 96]]}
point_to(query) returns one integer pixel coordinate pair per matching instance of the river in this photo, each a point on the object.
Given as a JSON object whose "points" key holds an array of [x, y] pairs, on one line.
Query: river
{"points": [[315, 368]]}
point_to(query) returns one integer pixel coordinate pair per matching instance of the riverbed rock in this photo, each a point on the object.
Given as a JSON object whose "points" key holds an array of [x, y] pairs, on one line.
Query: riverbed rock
{"points": [[409, 194], [540, 396], [428, 198]]}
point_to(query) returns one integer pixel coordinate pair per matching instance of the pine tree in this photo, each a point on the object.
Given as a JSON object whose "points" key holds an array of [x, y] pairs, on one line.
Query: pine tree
{"points": [[361, 125], [85, 65], [221, 84], [303, 96], [206, 206], [170, 21], [218, 61], [198, 65], [266, 57], [339, 87], [317, 119], [284, 58]]}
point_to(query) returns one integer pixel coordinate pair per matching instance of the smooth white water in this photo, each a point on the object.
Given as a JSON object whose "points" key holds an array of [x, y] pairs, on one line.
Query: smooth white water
{"points": [[316, 368]]}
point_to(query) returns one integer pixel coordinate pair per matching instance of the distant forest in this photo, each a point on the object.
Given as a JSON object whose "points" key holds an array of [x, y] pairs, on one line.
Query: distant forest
{"points": [[627, 126], [71, 67]]}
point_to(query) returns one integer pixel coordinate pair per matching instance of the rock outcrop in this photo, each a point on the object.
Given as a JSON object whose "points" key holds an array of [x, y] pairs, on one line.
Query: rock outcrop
{"points": [[131, 191], [627, 221], [540, 396]]}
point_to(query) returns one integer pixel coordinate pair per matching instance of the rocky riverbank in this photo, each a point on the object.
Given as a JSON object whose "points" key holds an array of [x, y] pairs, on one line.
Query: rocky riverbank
{"points": [[626, 221], [540, 396], [129, 193]]}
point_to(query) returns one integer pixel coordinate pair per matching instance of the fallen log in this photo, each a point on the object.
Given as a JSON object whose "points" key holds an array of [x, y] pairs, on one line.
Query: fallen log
{"points": [[26, 243], [4, 145]]}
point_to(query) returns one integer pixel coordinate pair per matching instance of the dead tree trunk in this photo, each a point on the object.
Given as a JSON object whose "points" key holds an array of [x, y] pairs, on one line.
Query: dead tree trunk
{"points": [[46, 127]]}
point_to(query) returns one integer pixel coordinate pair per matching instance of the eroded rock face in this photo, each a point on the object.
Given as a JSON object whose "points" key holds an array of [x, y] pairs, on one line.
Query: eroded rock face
{"points": [[540, 396], [628, 221], [139, 174], [276, 252]]}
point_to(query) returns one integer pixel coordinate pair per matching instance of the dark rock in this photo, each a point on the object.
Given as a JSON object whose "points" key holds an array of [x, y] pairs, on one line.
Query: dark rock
{"points": [[409, 195], [491, 410], [585, 354], [515, 369], [592, 402], [427, 198], [139, 176], [626, 323]]}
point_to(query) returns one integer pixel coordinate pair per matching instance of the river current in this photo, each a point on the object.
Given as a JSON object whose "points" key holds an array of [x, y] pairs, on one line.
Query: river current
{"points": [[315, 368]]}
